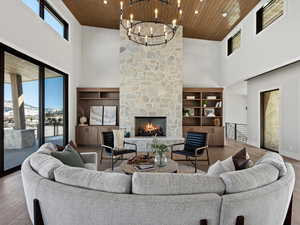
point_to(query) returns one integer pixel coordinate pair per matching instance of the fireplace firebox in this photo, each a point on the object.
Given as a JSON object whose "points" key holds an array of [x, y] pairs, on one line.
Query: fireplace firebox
{"points": [[150, 126]]}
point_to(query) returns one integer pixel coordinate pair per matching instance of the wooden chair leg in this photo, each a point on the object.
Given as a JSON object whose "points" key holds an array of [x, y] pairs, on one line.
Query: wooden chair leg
{"points": [[101, 156], [207, 156], [196, 164], [112, 163], [37, 213]]}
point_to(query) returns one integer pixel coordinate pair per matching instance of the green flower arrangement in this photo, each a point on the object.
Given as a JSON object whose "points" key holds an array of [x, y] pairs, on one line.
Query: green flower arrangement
{"points": [[158, 148]]}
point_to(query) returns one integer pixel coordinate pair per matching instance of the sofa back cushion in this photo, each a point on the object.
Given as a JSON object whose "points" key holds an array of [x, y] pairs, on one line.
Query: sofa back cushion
{"points": [[175, 184], [249, 179], [47, 148], [96, 180], [276, 160], [44, 164]]}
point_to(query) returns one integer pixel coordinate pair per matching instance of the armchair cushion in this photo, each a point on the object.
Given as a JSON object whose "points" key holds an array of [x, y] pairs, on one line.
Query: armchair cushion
{"points": [[275, 160], [195, 140]]}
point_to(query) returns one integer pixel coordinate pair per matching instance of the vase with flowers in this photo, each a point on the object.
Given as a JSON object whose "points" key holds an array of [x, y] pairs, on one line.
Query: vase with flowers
{"points": [[159, 151]]}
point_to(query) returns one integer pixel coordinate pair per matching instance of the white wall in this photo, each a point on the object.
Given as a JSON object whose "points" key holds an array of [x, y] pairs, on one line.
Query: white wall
{"points": [[235, 103], [25, 31], [288, 81], [100, 53], [275, 46]]}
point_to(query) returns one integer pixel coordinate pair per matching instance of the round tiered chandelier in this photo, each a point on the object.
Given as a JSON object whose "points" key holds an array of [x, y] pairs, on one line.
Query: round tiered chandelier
{"points": [[148, 26]]}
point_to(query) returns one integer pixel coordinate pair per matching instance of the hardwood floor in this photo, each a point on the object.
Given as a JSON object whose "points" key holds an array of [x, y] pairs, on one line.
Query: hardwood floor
{"points": [[12, 202]]}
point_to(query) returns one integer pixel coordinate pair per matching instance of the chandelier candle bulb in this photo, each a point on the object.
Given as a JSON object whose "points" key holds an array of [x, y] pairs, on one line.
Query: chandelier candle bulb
{"points": [[178, 3], [151, 31], [146, 40], [174, 23], [121, 5], [128, 24], [131, 18], [139, 30], [156, 13]]}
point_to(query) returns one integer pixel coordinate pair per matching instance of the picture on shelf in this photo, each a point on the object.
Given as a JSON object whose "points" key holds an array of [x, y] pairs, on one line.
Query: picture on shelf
{"points": [[211, 97], [209, 112], [187, 112], [110, 115], [96, 115]]}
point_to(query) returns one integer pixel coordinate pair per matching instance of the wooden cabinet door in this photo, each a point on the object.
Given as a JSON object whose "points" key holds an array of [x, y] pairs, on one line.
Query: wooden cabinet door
{"points": [[88, 135]]}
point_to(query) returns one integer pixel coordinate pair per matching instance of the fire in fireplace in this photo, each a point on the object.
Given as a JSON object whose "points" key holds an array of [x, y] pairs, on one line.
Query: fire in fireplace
{"points": [[150, 126]]}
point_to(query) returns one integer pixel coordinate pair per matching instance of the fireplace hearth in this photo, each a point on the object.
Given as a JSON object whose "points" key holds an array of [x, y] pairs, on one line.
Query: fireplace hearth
{"points": [[150, 126]]}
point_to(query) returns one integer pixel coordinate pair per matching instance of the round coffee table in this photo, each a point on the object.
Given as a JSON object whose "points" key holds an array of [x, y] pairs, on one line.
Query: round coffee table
{"points": [[171, 167]]}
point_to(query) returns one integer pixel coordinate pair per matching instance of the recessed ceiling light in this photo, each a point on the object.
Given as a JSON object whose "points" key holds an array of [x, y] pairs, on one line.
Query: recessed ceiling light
{"points": [[224, 14], [105, 2], [196, 12]]}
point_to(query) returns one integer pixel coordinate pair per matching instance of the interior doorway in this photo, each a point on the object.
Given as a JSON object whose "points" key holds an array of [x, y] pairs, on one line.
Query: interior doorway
{"points": [[270, 119]]}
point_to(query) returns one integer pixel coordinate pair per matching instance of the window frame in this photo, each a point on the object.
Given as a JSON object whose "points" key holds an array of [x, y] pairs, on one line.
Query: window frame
{"points": [[259, 17], [230, 49], [44, 5]]}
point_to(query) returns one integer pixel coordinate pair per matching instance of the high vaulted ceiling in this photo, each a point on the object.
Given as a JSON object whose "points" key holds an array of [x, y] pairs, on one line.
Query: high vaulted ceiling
{"points": [[214, 20]]}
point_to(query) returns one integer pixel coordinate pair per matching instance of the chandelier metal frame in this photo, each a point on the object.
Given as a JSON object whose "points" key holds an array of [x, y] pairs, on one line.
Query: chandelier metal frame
{"points": [[133, 28]]}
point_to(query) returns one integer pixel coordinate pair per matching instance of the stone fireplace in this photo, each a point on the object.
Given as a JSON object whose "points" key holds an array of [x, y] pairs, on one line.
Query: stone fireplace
{"points": [[151, 83], [150, 126]]}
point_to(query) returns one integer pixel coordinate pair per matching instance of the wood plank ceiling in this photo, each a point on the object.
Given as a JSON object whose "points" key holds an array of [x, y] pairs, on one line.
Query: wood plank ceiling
{"points": [[209, 23]]}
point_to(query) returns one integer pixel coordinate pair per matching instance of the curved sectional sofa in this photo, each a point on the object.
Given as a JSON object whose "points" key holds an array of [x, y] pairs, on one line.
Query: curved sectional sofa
{"points": [[78, 196]]}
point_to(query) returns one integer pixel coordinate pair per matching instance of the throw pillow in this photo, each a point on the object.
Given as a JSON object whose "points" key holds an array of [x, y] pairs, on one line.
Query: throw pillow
{"points": [[118, 139], [69, 156], [216, 169], [61, 148], [241, 159]]}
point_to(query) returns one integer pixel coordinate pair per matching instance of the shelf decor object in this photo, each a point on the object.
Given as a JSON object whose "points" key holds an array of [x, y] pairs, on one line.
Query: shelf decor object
{"points": [[96, 115], [110, 116], [154, 29]]}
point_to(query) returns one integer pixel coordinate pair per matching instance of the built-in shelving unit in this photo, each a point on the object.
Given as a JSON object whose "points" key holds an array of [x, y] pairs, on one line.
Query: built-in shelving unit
{"points": [[87, 97], [203, 111]]}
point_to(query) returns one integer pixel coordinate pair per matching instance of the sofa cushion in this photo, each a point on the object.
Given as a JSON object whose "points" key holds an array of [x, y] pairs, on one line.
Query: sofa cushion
{"points": [[176, 184], [275, 160], [249, 179], [69, 157], [47, 148], [44, 164], [90, 166], [96, 180]]}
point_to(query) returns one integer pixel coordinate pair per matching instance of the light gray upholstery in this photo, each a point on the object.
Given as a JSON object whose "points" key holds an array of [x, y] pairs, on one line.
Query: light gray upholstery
{"points": [[275, 160], [63, 204], [267, 205], [89, 157], [47, 148], [31, 181], [176, 184], [96, 180], [44, 164], [249, 179], [87, 207]]}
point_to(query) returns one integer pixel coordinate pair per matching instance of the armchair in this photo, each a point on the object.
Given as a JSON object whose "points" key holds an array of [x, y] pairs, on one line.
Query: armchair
{"points": [[195, 145], [107, 140]]}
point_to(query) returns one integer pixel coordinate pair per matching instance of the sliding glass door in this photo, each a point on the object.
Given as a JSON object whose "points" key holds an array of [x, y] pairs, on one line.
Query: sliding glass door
{"points": [[21, 110], [33, 107], [54, 107]]}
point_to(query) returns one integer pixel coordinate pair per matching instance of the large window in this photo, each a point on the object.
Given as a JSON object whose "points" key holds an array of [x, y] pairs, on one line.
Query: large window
{"points": [[268, 14], [50, 16], [33, 109], [234, 43]]}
